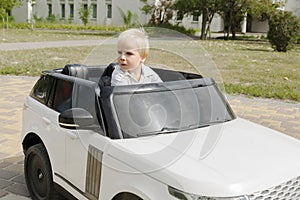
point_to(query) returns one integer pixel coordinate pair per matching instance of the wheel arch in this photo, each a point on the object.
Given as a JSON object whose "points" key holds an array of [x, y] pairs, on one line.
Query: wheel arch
{"points": [[126, 195], [30, 140]]}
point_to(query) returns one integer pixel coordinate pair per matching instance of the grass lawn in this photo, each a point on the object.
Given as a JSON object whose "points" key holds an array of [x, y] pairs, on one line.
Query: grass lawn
{"points": [[254, 69], [247, 67], [25, 35]]}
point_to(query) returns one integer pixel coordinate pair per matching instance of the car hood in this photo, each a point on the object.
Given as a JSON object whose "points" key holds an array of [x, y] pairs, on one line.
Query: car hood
{"points": [[233, 158]]}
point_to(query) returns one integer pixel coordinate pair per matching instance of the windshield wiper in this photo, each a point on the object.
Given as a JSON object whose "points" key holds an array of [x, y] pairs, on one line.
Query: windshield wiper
{"points": [[164, 130]]}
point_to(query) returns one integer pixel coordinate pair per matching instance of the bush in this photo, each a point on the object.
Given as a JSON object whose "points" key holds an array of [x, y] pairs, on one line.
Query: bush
{"points": [[177, 27], [283, 30], [51, 18]]}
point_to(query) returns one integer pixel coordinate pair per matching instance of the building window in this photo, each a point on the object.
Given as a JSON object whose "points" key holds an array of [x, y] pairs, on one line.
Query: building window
{"points": [[108, 11], [85, 6], [49, 9], [71, 10], [195, 18], [63, 11], [94, 11]]}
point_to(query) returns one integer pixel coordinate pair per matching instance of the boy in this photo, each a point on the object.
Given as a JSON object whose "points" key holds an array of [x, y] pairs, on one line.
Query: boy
{"points": [[133, 48]]}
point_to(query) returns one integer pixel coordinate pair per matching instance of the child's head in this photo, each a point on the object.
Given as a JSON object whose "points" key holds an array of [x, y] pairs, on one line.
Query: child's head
{"points": [[137, 39], [133, 48]]}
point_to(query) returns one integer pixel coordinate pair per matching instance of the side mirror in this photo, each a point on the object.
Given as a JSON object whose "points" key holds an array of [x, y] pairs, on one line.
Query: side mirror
{"points": [[75, 118]]}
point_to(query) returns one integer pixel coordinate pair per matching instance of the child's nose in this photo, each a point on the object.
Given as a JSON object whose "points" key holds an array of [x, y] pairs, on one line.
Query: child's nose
{"points": [[122, 57]]}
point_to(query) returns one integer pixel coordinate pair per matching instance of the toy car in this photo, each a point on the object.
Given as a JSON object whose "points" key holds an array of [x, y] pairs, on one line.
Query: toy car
{"points": [[178, 139]]}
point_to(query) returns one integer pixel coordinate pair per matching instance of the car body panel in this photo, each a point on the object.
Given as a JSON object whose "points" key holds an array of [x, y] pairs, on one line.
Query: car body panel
{"points": [[229, 158], [235, 162], [44, 123]]}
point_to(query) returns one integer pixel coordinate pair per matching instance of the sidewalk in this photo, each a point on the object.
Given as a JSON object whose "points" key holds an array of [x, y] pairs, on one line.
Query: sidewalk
{"points": [[277, 115], [13, 91], [45, 44]]}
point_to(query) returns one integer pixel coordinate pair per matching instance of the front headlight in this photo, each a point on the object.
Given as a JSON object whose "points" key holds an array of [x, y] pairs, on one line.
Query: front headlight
{"points": [[186, 196]]}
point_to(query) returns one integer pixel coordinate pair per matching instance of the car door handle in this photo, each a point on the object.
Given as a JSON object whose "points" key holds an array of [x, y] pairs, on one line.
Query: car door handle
{"points": [[72, 134], [46, 120]]}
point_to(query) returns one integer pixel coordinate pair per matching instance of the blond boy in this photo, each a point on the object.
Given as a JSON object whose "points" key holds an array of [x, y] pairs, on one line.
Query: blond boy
{"points": [[133, 49]]}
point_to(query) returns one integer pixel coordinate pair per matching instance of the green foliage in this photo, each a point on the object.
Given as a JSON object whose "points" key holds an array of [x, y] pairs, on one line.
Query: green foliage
{"points": [[206, 8], [263, 9], [265, 91], [283, 30], [51, 18], [101, 30], [233, 13], [161, 11], [178, 28], [37, 19], [8, 5], [84, 13], [129, 18]]}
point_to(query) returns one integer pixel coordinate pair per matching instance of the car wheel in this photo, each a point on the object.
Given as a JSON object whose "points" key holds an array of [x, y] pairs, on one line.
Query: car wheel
{"points": [[38, 173], [126, 196]]}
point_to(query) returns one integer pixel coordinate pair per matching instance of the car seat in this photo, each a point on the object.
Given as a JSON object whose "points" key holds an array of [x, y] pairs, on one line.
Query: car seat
{"points": [[105, 79], [77, 70]]}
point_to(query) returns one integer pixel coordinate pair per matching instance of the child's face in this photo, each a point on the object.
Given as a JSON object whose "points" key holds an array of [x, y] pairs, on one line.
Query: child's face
{"points": [[129, 58]]}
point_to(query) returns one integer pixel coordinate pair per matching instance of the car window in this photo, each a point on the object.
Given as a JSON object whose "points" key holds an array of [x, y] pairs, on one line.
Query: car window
{"points": [[62, 99], [42, 89], [144, 113]]}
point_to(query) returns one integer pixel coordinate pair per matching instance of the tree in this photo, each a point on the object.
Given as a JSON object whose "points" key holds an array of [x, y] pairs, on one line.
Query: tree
{"points": [[283, 30], [161, 11], [84, 13], [7, 6], [129, 19], [206, 8], [263, 9], [233, 13]]}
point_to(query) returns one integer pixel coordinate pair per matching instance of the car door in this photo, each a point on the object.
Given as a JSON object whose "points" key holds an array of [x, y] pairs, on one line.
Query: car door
{"points": [[59, 101], [85, 147], [44, 120]]}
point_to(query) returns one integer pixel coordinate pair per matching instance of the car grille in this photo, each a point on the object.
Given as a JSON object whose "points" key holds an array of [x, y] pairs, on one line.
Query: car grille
{"points": [[289, 190]]}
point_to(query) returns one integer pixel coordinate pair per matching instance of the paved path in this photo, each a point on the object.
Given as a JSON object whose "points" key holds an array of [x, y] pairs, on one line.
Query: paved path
{"points": [[13, 91], [50, 44]]}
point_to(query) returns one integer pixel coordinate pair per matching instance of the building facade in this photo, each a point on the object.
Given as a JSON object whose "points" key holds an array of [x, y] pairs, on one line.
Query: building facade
{"points": [[108, 12], [103, 12], [248, 25]]}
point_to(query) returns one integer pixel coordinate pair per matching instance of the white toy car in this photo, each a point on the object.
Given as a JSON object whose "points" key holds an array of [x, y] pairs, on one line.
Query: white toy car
{"points": [[177, 139]]}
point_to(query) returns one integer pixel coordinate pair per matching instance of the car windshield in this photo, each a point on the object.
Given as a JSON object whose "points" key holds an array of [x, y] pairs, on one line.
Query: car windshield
{"points": [[169, 109]]}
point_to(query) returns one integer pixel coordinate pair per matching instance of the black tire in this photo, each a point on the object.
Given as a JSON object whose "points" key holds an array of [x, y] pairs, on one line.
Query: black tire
{"points": [[38, 174], [126, 196]]}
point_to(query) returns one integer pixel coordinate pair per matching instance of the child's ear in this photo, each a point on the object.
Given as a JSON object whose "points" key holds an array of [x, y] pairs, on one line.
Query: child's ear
{"points": [[143, 59]]}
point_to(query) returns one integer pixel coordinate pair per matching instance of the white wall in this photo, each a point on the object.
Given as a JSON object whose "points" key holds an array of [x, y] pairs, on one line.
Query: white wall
{"points": [[41, 9], [21, 13], [294, 6], [259, 26]]}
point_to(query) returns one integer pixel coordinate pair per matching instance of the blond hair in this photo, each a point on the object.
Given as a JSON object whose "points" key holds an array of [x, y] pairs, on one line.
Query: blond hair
{"points": [[140, 39]]}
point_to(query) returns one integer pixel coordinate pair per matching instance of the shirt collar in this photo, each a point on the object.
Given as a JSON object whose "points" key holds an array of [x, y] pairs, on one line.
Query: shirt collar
{"points": [[145, 73]]}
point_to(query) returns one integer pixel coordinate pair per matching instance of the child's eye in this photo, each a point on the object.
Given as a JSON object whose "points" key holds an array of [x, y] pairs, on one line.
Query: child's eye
{"points": [[129, 53]]}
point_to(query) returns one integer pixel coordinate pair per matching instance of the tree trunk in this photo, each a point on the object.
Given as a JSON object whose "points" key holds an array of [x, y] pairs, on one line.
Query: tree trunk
{"points": [[3, 34], [210, 18], [204, 21], [233, 25]]}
